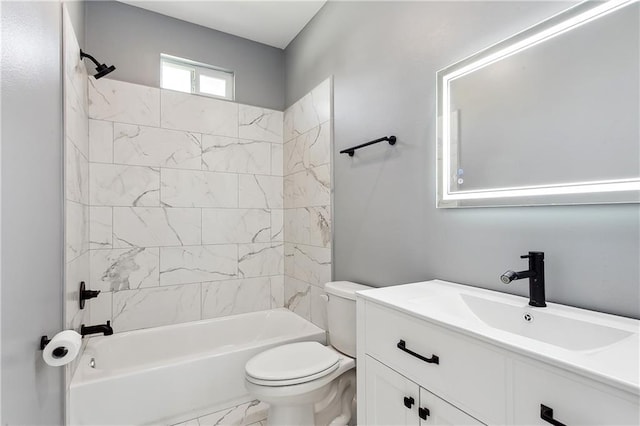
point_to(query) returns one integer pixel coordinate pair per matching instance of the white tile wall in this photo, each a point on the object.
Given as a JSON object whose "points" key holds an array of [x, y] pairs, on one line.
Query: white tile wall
{"points": [[186, 218], [307, 203], [76, 179]]}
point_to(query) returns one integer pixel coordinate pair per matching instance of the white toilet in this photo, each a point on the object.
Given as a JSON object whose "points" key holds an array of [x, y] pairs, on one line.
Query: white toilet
{"points": [[307, 383]]}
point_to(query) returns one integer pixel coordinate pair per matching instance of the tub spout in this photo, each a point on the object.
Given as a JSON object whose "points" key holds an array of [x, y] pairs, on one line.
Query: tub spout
{"points": [[95, 329]]}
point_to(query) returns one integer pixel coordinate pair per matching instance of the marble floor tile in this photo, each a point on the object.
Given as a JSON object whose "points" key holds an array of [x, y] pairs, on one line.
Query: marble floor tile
{"points": [[242, 415]]}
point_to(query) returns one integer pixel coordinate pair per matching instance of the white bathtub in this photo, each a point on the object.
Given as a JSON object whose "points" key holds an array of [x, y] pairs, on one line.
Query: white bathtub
{"points": [[171, 374]]}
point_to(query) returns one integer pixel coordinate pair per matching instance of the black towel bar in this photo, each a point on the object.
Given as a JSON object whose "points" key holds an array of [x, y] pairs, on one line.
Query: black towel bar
{"points": [[350, 151]]}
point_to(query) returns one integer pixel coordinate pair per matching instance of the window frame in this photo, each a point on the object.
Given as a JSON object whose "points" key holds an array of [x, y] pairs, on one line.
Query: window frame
{"points": [[198, 69]]}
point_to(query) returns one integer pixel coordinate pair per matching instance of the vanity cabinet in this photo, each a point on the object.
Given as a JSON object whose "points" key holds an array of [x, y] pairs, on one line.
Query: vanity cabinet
{"points": [[392, 399], [407, 365]]}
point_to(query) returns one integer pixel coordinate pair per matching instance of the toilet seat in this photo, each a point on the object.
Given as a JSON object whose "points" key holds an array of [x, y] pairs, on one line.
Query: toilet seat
{"points": [[292, 364]]}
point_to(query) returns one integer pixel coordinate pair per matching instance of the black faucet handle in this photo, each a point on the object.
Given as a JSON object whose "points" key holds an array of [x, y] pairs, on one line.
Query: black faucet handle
{"points": [[525, 256]]}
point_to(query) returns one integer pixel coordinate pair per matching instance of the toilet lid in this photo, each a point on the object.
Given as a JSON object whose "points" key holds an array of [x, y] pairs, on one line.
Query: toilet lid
{"points": [[289, 363]]}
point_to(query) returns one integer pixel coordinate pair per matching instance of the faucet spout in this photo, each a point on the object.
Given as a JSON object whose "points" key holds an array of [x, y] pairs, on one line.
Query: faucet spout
{"points": [[96, 329], [535, 273]]}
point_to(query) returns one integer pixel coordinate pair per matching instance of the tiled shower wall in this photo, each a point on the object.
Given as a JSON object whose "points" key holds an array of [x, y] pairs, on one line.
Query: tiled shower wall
{"points": [[76, 179], [186, 206], [307, 201]]}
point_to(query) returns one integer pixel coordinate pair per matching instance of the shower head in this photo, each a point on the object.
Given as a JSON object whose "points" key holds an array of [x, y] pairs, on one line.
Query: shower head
{"points": [[102, 69]]}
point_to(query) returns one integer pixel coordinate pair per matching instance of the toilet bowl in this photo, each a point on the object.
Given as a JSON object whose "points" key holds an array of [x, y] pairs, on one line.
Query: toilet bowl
{"points": [[307, 383]]}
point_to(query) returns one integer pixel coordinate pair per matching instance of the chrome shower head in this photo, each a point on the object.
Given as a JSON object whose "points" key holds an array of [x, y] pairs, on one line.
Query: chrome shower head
{"points": [[102, 69]]}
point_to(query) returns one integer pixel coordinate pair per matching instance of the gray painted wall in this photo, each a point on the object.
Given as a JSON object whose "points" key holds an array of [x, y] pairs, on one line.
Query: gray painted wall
{"points": [[384, 57], [132, 39], [32, 392], [76, 10]]}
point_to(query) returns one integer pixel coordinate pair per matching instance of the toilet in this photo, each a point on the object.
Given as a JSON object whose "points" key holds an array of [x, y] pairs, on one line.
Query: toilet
{"points": [[307, 383]]}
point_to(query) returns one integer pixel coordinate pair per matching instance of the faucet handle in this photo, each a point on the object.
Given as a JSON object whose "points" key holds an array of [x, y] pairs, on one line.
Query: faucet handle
{"points": [[525, 256]]}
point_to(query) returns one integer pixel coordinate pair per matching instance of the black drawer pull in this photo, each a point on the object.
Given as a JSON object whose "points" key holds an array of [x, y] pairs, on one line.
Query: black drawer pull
{"points": [[402, 345], [424, 413], [546, 414], [409, 401]]}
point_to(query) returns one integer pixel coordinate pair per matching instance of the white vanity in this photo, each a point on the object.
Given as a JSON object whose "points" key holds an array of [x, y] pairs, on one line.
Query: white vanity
{"points": [[434, 353]]}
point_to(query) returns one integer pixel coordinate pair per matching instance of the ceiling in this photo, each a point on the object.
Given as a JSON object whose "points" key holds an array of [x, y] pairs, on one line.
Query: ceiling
{"points": [[274, 23]]}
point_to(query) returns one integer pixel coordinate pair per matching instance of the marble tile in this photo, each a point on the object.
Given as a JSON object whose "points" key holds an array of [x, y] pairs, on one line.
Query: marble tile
{"points": [[318, 186], [100, 227], [312, 264], [76, 174], [295, 155], [225, 226], [150, 146], [319, 226], [308, 188], [116, 185], [277, 225], [231, 297], [100, 141], [75, 70], [114, 100], [259, 191], [125, 269], [297, 297], [76, 229], [152, 227], [259, 123], [182, 111], [155, 306], [277, 159], [76, 123], [289, 253], [318, 144], [76, 270], [181, 265], [318, 307], [321, 100], [310, 111], [297, 226], [277, 291], [260, 259], [190, 188], [242, 415], [100, 309], [294, 195], [192, 422], [225, 154]]}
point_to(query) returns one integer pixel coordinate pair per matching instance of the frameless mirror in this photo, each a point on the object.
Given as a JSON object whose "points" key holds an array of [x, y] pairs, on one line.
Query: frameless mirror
{"points": [[548, 116]]}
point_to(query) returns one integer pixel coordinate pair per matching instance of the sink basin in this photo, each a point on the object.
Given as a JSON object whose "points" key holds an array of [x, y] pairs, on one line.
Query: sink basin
{"points": [[545, 326], [602, 346]]}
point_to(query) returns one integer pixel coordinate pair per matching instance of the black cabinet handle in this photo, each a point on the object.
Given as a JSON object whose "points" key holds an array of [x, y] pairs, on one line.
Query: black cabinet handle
{"points": [[402, 345], [546, 414], [424, 413], [409, 401]]}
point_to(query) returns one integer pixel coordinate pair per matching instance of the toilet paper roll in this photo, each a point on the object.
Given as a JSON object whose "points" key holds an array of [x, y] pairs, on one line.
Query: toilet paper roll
{"points": [[62, 349]]}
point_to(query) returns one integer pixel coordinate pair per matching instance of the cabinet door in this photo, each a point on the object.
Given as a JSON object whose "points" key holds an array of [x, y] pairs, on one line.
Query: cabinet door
{"points": [[436, 411], [573, 400], [390, 398]]}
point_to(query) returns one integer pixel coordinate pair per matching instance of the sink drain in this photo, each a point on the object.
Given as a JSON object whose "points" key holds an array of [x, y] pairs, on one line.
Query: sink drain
{"points": [[527, 317]]}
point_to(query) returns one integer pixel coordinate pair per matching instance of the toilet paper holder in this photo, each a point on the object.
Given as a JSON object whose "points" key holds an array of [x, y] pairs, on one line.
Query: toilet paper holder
{"points": [[57, 352]]}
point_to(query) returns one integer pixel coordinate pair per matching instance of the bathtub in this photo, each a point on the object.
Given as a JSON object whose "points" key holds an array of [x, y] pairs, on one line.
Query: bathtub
{"points": [[171, 374]]}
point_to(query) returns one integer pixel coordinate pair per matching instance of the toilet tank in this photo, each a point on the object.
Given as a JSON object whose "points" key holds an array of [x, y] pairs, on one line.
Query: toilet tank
{"points": [[341, 315]]}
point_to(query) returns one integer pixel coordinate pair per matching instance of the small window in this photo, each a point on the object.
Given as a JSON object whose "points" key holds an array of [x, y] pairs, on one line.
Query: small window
{"points": [[193, 77]]}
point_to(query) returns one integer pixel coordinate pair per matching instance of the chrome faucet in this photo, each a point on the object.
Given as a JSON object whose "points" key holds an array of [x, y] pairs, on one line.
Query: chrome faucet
{"points": [[535, 273]]}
